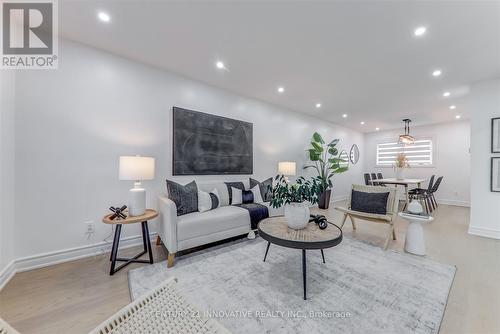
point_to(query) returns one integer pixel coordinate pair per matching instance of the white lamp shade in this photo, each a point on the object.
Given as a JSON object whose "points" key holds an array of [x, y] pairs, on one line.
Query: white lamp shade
{"points": [[137, 168], [287, 168]]}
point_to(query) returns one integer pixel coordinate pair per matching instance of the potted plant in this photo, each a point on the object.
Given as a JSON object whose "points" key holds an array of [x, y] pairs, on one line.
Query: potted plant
{"points": [[400, 164], [293, 196], [327, 163]]}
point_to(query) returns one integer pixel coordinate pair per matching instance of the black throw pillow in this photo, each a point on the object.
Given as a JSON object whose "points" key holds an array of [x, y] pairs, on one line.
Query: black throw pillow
{"points": [[264, 187], [246, 196], [237, 185], [369, 202], [184, 197]]}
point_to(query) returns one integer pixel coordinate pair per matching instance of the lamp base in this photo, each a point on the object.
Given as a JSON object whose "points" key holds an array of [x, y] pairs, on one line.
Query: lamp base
{"points": [[137, 200]]}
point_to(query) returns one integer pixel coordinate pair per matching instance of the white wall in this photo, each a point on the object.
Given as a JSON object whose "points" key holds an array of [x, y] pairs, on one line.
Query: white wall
{"points": [[451, 143], [73, 123], [485, 205], [7, 190]]}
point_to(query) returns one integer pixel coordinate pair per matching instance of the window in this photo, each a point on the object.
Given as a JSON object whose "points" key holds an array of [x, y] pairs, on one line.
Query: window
{"points": [[418, 153]]}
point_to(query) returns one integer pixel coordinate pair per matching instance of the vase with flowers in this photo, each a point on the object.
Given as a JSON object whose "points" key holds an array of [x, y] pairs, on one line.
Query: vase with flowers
{"points": [[400, 165]]}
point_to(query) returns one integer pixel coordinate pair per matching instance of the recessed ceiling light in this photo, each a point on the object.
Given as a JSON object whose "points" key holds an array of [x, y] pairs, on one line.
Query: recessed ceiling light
{"points": [[344, 115], [281, 89], [318, 105], [376, 129], [104, 17], [453, 107], [220, 65], [436, 73], [362, 123], [420, 31], [458, 116], [446, 94]]}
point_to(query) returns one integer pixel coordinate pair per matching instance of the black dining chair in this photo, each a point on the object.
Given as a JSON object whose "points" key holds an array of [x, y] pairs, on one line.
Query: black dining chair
{"points": [[367, 179], [435, 188], [380, 177], [374, 177]]}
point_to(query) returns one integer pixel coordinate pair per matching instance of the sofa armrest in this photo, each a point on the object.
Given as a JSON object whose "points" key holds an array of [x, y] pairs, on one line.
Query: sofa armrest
{"points": [[168, 223]]}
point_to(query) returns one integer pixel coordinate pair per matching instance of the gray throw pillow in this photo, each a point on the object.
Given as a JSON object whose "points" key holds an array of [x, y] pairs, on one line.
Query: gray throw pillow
{"points": [[184, 197], [264, 187]]}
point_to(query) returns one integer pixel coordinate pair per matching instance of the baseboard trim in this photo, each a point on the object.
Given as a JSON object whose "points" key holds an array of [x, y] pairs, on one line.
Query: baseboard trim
{"points": [[484, 232], [7, 273], [64, 255], [453, 202]]}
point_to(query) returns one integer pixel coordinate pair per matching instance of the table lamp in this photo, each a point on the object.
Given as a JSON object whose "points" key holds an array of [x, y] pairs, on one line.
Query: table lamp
{"points": [[287, 168], [137, 168]]}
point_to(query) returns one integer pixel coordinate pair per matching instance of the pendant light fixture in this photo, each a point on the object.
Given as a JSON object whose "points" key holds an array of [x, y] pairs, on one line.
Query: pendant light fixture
{"points": [[406, 138]]}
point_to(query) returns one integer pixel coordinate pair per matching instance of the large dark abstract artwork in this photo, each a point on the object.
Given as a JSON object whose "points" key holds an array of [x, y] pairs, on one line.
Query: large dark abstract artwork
{"points": [[206, 144]]}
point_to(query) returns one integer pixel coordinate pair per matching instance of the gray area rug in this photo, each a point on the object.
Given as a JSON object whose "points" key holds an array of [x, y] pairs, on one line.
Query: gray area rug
{"points": [[360, 289]]}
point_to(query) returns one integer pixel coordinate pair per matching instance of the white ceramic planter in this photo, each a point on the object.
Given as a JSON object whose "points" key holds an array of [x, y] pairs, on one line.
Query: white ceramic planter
{"points": [[296, 215]]}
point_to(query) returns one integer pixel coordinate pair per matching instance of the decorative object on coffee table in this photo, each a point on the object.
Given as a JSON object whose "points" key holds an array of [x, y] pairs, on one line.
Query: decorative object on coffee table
{"points": [[161, 310], [415, 240], [275, 230], [327, 163], [137, 168], [118, 212], [149, 214], [320, 220], [293, 196]]}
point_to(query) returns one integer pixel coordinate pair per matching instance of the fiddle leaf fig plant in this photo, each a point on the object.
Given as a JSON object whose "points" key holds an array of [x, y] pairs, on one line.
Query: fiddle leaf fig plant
{"points": [[285, 193], [326, 160]]}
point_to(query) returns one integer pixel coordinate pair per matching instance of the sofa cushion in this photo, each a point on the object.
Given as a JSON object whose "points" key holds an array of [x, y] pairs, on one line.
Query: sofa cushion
{"points": [[237, 185], [184, 197], [221, 190], [264, 188], [198, 224], [247, 196]]}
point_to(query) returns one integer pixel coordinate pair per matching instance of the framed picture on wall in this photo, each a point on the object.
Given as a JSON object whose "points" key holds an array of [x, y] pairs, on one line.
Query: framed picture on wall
{"points": [[495, 135], [495, 174]]}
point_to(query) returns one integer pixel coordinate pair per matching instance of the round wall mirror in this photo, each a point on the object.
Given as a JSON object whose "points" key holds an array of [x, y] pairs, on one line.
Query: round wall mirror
{"points": [[354, 156], [344, 156]]}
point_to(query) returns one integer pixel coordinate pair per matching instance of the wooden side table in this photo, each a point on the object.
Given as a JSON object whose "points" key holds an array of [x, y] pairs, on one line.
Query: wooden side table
{"points": [[143, 219]]}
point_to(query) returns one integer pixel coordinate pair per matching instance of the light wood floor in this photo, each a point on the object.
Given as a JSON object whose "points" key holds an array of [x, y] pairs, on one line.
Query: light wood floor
{"points": [[76, 296]]}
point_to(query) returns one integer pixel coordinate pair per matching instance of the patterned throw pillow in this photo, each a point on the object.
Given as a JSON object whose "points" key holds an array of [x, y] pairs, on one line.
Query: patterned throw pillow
{"points": [[264, 188], [184, 197], [237, 185], [257, 196], [208, 201]]}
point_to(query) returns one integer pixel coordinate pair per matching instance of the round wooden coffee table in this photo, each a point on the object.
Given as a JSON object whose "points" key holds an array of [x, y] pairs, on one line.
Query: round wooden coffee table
{"points": [[275, 230]]}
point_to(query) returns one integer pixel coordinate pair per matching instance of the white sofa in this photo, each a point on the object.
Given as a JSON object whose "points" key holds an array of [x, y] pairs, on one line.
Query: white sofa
{"points": [[199, 228]]}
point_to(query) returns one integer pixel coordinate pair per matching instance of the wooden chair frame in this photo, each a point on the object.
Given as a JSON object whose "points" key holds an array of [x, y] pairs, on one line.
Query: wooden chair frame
{"points": [[388, 218]]}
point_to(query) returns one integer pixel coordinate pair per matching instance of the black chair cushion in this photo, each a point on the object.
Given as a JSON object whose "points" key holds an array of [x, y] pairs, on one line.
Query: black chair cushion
{"points": [[369, 202]]}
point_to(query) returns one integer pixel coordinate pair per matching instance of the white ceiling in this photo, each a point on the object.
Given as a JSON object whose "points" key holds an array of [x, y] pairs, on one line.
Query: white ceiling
{"points": [[358, 58]]}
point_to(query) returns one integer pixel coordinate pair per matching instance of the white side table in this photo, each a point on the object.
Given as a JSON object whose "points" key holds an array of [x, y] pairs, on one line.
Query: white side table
{"points": [[415, 240]]}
